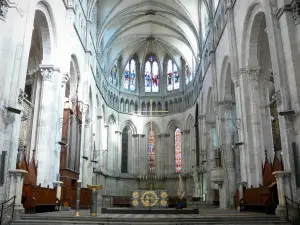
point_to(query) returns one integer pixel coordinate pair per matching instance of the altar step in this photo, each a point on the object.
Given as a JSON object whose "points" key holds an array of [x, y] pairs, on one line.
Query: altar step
{"points": [[133, 219]]}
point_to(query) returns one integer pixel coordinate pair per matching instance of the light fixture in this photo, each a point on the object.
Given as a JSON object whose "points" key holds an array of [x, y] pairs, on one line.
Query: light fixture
{"points": [[287, 113], [13, 110], [238, 143]]}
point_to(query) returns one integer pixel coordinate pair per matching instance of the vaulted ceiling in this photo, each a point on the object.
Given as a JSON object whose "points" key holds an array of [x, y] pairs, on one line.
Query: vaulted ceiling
{"points": [[162, 27]]}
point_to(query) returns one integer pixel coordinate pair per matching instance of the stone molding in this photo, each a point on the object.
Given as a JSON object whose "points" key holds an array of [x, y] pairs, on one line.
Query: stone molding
{"points": [[142, 135], [252, 75], [5, 5], [118, 132], [166, 135], [235, 78], [296, 11], [64, 79], [212, 124], [135, 135], [21, 96], [282, 10], [47, 72], [99, 117], [106, 125]]}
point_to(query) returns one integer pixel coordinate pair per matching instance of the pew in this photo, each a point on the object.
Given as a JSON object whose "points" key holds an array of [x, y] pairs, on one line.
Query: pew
{"points": [[258, 199], [263, 198], [38, 199], [121, 201]]}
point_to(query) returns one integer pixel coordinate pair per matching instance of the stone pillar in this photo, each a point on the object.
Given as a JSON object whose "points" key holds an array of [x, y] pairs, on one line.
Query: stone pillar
{"points": [[183, 157], [210, 157], [16, 178], [143, 162], [252, 76], [118, 155], [241, 186], [167, 154], [283, 189], [45, 139], [105, 154], [240, 127], [58, 185], [135, 155], [86, 153], [160, 156], [228, 152]]}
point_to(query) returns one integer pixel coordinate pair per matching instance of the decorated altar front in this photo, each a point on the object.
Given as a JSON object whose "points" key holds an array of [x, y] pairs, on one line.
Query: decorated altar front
{"points": [[149, 198]]}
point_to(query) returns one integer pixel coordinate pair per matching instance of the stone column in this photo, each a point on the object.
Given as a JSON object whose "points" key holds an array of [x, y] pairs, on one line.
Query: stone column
{"points": [[283, 184], [188, 152], [16, 178], [240, 128], [45, 140], [210, 158], [241, 186], [252, 76], [135, 155], [160, 156], [143, 162], [58, 185], [167, 154], [228, 152], [105, 154], [118, 152], [86, 153]]}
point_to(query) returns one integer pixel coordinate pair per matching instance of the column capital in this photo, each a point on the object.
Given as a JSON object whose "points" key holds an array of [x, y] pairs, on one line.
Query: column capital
{"points": [[118, 132], [227, 105], [281, 174], [187, 131], [85, 108], [211, 123], [201, 117], [166, 135], [47, 72], [296, 11], [236, 79], [106, 125], [160, 135], [4, 5], [87, 122], [64, 79], [142, 135], [252, 74], [99, 117], [135, 135], [57, 183]]}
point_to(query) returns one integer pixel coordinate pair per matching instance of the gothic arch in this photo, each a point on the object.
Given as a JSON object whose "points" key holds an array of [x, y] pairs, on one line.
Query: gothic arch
{"points": [[131, 125], [44, 21], [172, 125], [251, 31]]}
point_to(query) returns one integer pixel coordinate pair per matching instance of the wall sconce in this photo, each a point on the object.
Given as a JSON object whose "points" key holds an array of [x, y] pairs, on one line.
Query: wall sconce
{"points": [[287, 113], [13, 110]]}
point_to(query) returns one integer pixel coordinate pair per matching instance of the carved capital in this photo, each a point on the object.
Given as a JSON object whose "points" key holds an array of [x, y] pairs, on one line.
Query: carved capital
{"points": [[118, 132], [135, 135], [64, 79], [142, 135], [85, 108], [227, 105], [296, 11], [166, 135], [87, 122], [21, 96], [4, 5], [236, 79], [47, 72], [252, 75], [187, 131], [210, 123]]}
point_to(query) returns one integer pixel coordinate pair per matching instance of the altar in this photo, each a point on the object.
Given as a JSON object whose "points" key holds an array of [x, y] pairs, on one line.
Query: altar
{"points": [[149, 198]]}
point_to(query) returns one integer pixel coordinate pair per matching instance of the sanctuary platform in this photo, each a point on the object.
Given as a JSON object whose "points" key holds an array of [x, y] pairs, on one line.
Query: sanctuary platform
{"points": [[166, 211]]}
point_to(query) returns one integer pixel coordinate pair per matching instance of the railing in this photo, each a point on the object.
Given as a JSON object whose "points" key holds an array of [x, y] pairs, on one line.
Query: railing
{"points": [[7, 211], [292, 210]]}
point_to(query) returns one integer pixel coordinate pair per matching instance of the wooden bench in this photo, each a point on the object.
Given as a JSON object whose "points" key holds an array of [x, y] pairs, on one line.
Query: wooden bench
{"points": [[38, 199], [121, 201], [257, 199]]}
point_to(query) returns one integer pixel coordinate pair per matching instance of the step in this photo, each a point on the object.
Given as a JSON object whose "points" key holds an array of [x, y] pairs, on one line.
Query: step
{"points": [[150, 219]]}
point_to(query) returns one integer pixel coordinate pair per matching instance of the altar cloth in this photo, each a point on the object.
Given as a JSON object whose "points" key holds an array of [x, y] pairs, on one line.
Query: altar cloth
{"points": [[149, 199]]}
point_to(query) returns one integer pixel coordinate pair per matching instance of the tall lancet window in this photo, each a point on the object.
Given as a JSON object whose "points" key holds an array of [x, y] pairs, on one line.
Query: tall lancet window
{"points": [[204, 20], [151, 75], [172, 76], [178, 162], [188, 75], [124, 163], [130, 76], [113, 75], [151, 152]]}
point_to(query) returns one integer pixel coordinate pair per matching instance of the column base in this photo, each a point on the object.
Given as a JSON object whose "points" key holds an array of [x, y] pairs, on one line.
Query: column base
{"points": [[281, 212], [18, 211]]}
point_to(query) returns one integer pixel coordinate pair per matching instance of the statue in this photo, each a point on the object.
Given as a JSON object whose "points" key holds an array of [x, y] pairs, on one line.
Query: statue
{"points": [[197, 190], [180, 190]]}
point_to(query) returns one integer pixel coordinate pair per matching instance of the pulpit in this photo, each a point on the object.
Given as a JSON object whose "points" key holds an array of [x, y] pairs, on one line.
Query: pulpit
{"points": [[149, 198]]}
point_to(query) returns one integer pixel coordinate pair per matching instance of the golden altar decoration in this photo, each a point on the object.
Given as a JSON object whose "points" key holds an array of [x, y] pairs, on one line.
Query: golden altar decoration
{"points": [[149, 198]]}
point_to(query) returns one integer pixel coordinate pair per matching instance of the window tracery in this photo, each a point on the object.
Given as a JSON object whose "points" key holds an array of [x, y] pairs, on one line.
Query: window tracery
{"points": [[173, 78], [130, 76], [151, 75]]}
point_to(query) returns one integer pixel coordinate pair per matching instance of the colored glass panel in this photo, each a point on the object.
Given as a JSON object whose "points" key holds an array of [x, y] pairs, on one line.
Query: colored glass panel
{"points": [[126, 77], [147, 77], [178, 161], [176, 77], [132, 75], [155, 77], [188, 75], [170, 75], [151, 152]]}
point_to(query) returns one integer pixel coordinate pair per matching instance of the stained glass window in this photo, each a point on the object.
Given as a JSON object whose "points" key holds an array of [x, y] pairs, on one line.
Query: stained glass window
{"points": [[178, 162], [188, 75], [151, 152], [173, 78], [151, 75], [130, 76], [204, 20], [113, 75]]}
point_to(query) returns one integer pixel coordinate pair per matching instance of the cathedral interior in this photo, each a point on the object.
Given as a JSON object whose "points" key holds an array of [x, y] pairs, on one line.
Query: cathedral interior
{"points": [[151, 95]]}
